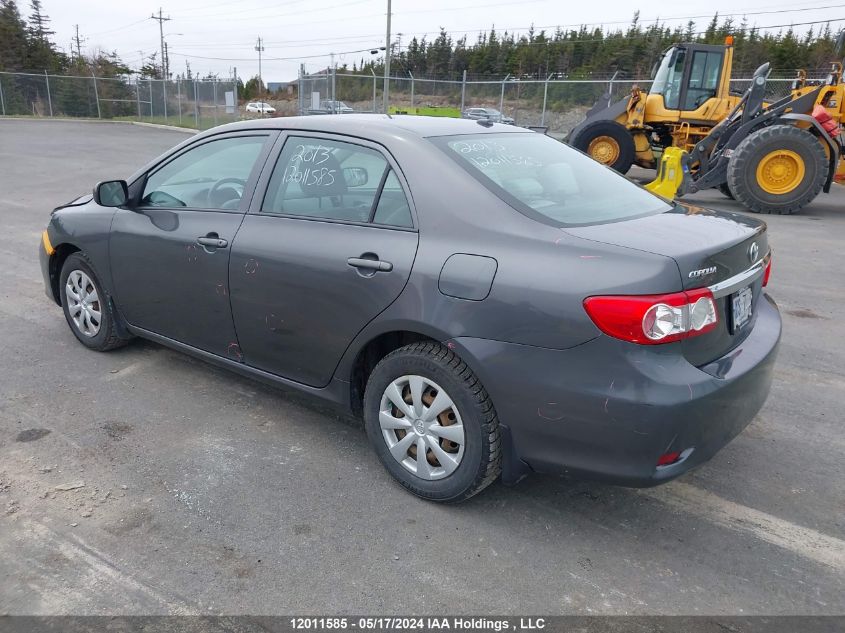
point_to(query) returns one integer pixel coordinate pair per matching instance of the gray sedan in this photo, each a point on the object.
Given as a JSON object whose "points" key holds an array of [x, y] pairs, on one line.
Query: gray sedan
{"points": [[488, 300]]}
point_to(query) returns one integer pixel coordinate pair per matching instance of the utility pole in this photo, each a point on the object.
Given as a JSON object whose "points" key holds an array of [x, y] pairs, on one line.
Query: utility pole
{"points": [[78, 41], [166, 62], [387, 61], [260, 48], [161, 20]]}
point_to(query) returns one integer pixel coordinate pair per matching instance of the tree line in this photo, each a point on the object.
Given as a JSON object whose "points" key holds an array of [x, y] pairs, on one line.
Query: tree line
{"points": [[598, 53]]}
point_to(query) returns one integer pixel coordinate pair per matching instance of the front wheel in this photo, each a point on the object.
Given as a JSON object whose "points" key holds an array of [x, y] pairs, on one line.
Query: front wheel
{"points": [[778, 169], [87, 306], [432, 423]]}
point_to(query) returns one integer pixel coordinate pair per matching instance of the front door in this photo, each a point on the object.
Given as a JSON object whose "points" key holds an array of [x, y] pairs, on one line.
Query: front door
{"points": [[170, 252], [325, 250]]}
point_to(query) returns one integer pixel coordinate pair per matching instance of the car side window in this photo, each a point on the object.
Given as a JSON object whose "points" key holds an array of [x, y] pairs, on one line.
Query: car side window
{"points": [[328, 179], [393, 208], [209, 176]]}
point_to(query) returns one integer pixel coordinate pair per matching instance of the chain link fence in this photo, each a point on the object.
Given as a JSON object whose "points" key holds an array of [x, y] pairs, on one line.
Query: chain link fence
{"points": [[191, 103], [558, 104]]}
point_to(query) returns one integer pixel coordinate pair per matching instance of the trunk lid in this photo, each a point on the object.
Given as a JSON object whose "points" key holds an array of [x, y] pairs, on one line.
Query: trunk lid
{"points": [[711, 249]]}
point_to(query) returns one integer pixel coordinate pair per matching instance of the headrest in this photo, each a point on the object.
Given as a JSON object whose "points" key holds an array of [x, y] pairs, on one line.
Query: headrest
{"points": [[325, 179]]}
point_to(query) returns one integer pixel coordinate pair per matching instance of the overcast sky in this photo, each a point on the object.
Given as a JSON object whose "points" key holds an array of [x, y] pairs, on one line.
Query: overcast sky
{"points": [[306, 32]]}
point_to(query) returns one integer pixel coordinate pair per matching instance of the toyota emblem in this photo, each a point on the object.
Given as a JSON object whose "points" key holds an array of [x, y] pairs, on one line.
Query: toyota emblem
{"points": [[753, 252]]}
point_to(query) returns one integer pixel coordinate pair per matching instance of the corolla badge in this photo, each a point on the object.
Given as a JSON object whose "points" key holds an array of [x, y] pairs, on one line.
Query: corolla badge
{"points": [[695, 274], [753, 252]]}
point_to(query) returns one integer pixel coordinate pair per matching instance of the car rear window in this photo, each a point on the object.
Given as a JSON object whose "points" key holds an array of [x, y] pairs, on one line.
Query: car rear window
{"points": [[548, 180]]}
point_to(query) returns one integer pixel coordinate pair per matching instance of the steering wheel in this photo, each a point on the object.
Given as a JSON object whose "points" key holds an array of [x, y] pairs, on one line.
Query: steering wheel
{"points": [[217, 186]]}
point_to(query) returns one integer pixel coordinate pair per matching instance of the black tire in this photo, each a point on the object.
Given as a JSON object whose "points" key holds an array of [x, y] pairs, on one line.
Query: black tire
{"points": [[480, 464], [106, 337], [742, 169], [614, 130], [726, 190]]}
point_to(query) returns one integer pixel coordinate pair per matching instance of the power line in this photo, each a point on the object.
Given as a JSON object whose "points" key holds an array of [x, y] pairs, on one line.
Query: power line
{"points": [[228, 14], [120, 28], [573, 41]]}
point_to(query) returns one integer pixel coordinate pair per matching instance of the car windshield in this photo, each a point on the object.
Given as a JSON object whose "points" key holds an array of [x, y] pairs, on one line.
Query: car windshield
{"points": [[548, 180]]}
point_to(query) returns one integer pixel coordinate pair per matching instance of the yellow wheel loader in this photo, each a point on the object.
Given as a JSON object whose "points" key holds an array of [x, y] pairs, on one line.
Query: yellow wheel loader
{"points": [[772, 157], [689, 96]]}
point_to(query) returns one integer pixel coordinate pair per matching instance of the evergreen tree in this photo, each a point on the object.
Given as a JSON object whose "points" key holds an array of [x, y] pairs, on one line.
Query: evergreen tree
{"points": [[14, 43], [39, 23]]}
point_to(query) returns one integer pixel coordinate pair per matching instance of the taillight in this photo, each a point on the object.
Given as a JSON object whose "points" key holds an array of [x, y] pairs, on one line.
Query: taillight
{"points": [[654, 319], [768, 272]]}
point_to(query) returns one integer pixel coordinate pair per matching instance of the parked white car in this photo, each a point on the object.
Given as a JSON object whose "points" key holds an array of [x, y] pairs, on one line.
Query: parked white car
{"points": [[260, 106]]}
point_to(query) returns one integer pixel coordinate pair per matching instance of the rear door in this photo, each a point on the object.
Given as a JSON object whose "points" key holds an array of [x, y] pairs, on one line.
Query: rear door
{"points": [[326, 248], [170, 253]]}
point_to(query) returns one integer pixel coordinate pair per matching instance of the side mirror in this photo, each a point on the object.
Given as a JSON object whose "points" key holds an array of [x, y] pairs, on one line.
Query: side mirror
{"points": [[355, 176], [111, 193]]}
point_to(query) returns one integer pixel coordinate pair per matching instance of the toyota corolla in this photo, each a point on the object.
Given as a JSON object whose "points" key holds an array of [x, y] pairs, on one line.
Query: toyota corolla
{"points": [[487, 299]]}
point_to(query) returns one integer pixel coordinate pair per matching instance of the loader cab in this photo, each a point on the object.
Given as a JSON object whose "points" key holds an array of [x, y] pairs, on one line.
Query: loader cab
{"points": [[688, 76]]}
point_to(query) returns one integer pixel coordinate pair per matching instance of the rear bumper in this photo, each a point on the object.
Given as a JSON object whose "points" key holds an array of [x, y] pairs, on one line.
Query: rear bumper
{"points": [[608, 409]]}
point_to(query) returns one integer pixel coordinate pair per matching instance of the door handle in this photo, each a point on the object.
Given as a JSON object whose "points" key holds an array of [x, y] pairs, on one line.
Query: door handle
{"points": [[212, 240], [376, 265]]}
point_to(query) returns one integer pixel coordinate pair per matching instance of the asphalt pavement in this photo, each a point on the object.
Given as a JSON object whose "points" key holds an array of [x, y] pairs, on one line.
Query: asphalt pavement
{"points": [[143, 481]]}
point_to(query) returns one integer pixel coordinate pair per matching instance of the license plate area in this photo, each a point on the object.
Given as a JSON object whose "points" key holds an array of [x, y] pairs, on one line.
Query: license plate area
{"points": [[740, 308]]}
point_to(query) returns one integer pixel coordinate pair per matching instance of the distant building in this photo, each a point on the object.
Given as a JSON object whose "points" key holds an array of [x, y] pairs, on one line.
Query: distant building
{"points": [[279, 87]]}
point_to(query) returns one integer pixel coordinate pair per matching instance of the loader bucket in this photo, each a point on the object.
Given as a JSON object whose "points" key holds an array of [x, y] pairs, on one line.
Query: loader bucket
{"points": [[673, 174], [599, 112]]}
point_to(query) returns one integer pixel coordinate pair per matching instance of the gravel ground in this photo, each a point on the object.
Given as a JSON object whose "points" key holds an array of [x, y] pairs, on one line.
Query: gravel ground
{"points": [[145, 482]]}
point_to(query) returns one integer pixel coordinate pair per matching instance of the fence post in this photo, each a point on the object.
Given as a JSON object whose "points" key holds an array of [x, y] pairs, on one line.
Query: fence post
{"points": [[299, 92], [374, 90], [502, 97], [2, 101], [179, 98], [164, 96], [196, 106], [610, 89], [412, 88], [96, 95], [235, 90], [545, 96], [151, 97], [49, 98], [463, 90], [214, 97], [138, 95]]}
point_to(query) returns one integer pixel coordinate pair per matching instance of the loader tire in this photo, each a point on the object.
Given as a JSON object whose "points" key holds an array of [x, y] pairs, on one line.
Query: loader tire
{"points": [[607, 142], [726, 191], [778, 169]]}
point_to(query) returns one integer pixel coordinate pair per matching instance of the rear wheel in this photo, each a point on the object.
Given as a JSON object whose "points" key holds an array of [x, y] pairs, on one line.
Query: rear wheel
{"points": [[726, 190], [779, 169], [607, 142], [432, 423]]}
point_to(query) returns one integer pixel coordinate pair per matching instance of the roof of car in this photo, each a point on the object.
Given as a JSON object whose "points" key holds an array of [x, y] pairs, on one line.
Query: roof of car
{"points": [[373, 125]]}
